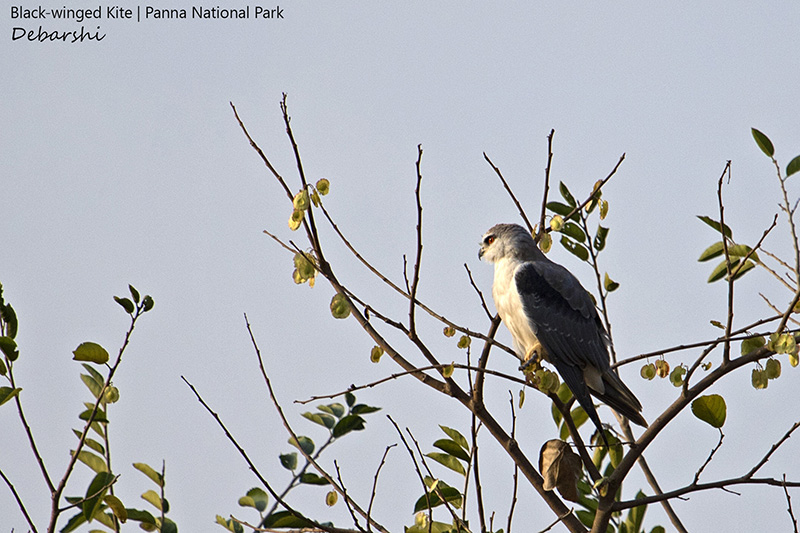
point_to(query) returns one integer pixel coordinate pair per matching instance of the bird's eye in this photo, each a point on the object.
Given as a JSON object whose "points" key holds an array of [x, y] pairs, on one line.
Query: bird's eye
{"points": [[489, 240]]}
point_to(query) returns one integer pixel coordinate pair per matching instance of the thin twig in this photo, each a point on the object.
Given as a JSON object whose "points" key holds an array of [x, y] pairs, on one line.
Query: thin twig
{"points": [[510, 192], [515, 485], [20, 504], [789, 505], [396, 375], [480, 294], [292, 433], [412, 325], [546, 184], [416, 468], [708, 460], [726, 347], [375, 485], [772, 450], [247, 459], [597, 187]]}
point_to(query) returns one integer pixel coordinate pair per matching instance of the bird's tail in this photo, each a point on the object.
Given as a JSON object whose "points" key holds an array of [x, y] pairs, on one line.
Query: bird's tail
{"points": [[620, 398]]}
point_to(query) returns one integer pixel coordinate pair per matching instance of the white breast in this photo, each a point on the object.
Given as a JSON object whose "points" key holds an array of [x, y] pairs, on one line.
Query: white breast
{"points": [[509, 305]]}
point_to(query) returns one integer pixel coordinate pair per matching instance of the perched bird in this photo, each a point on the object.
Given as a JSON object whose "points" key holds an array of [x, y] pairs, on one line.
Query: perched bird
{"points": [[551, 315]]}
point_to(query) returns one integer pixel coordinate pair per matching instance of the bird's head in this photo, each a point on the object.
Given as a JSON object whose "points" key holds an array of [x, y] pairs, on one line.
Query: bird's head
{"points": [[508, 240]]}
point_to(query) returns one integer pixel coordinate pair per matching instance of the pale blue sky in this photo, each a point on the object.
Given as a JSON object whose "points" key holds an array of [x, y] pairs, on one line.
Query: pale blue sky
{"points": [[122, 163]]}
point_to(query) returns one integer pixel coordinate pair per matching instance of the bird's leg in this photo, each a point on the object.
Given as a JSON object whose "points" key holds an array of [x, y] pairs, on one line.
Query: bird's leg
{"points": [[533, 358]]}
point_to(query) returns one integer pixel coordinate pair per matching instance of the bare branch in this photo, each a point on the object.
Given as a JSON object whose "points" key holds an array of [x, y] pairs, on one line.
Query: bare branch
{"points": [[789, 505], [20, 504], [546, 184], [480, 294], [510, 192], [516, 468], [249, 462], [291, 432], [772, 450], [412, 326], [375, 485], [708, 460]]}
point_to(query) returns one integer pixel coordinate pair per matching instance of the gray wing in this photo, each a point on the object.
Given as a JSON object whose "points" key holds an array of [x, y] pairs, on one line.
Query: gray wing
{"points": [[562, 316]]}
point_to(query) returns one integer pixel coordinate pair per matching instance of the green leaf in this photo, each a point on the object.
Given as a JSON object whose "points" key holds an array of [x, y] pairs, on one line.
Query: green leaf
{"points": [[227, 524], [95, 494], [566, 194], [363, 409], [323, 419], [259, 496], [715, 250], [609, 284], [452, 448], [153, 499], [759, 379], [557, 418], [561, 209], [9, 316], [753, 343], [600, 238], [347, 424], [575, 248], [791, 168], [93, 461], [126, 304], [740, 271], [134, 293], [91, 443], [677, 375], [741, 250], [6, 393], [91, 352], [116, 507], [168, 526], [97, 376], [451, 495], [615, 451], [93, 386], [331, 498], [773, 368], [140, 516], [763, 142], [336, 409], [564, 394], [573, 230], [720, 271], [150, 472], [74, 523], [305, 444], [579, 416], [636, 515], [339, 306], [310, 478], [285, 520], [9, 347], [457, 437], [99, 416], [449, 461], [710, 409], [147, 303], [289, 460], [350, 398], [3, 369], [716, 225]]}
